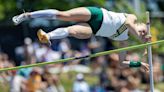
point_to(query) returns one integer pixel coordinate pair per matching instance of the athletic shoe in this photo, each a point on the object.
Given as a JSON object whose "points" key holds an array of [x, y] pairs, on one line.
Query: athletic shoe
{"points": [[19, 18], [43, 37]]}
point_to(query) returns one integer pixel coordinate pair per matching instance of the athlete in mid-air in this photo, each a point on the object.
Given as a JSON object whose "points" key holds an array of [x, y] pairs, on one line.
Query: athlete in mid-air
{"points": [[92, 20]]}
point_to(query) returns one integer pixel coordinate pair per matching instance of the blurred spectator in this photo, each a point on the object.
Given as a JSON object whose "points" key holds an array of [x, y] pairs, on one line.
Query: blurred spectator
{"points": [[25, 52], [51, 55], [25, 72], [40, 51], [134, 82], [111, 78], [157, 68], [52, 83], [34, 82], [28, 49], [17, 82], [80, 85], [64, 45], [46, 54]]}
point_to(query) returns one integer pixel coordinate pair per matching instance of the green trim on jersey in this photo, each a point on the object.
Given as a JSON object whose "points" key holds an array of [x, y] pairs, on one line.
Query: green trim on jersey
{"points": [[96, 18]]}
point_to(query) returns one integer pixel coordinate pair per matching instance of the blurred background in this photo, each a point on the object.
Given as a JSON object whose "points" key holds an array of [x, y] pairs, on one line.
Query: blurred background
{"points": [[19, 46]]}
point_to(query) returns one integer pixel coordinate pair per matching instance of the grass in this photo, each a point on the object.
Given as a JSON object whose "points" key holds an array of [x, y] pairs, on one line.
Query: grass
{"points": [[160, 86], [4, 88]]}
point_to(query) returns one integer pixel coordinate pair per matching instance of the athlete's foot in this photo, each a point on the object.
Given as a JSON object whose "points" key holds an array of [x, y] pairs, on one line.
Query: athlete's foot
{"points": [[20, 18], [43, 37]]}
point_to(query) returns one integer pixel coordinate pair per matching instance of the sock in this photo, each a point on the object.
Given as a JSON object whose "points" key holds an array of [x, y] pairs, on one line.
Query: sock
{"points": [[49, 14], [58, 33]]}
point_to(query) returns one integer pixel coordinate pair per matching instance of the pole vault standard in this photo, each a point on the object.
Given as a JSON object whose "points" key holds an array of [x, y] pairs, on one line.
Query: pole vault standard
{"points": [[149, 49]]}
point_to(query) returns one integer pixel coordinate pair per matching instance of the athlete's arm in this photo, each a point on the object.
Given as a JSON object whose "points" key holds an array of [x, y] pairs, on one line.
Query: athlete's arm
{"points": [[126, 63], [134, 30], [122, 55], [144, 66], [131, 24]]}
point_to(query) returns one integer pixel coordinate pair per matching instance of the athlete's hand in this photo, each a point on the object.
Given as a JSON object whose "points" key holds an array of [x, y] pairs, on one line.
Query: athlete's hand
{"points": [[147, 38], [145, 66]]}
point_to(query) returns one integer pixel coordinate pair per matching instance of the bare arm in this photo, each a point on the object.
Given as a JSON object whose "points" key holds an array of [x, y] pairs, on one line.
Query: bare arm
{"points": [[138, 32], [131, 24], [125, 63], [122, 55]]}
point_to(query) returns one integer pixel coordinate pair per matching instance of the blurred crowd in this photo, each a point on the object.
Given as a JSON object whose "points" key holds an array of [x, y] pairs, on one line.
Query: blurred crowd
{"points": [[111, 77]]}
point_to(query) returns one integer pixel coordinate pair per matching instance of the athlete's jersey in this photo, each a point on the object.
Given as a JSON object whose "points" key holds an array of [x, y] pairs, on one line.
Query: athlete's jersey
{"points": [[112, 21]]}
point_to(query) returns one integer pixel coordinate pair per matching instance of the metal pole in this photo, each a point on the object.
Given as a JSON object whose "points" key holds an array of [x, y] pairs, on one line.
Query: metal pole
{"points": [[150, 55]]}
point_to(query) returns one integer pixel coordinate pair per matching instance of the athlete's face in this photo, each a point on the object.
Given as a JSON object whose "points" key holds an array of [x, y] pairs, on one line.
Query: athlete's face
{"points": [[142, 30]]}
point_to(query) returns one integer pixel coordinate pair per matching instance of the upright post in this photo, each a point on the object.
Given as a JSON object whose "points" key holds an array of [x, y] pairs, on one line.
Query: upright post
{"points": [[150, 55]]}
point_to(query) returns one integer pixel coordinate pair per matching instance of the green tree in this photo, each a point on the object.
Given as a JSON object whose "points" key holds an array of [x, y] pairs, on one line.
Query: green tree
{"points": [[9, 8]]}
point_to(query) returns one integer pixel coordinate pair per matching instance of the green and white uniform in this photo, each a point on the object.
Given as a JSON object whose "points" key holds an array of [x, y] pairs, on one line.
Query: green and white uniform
{"points": [[107, 23]]}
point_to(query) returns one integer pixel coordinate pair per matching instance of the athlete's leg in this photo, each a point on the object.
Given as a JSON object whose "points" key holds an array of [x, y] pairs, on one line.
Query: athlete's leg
{"points": [[81, 14], [80, 31]]}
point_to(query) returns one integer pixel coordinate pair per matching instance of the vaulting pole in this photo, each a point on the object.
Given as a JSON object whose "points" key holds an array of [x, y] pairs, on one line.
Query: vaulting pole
{"points": [[149, 49]]}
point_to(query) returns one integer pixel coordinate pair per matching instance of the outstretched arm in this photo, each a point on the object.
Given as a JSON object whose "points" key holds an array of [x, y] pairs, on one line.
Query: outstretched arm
{"points": [[132, 64], [128, 63], [122, 55], [132, 26], [139, 30]]}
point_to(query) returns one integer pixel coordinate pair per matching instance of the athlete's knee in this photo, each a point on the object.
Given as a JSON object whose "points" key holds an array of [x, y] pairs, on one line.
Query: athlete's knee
{"points": [[72, 31]]}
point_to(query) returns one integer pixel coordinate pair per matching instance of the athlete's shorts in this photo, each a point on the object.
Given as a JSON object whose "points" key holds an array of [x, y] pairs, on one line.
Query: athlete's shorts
{"points": [[96, 18]]}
